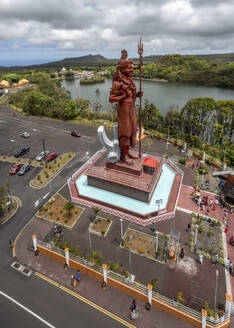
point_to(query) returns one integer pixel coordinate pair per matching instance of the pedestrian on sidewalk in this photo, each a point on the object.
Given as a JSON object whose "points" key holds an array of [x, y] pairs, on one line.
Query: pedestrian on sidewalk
{"points": [[211, 202], [78, 275], [73, 281], [227, 263], [200, 258], [216, 259], [230, 267], [226, 228], [133, 306], [189, 227]]}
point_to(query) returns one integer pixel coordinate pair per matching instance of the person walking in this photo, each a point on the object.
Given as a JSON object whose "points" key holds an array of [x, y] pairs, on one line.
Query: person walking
{"points": [[73, 281], [226, 228], [216, 259], [230, 267], [201, 258], [133, 306], [227, 263], [189, 227], [78, 275]]}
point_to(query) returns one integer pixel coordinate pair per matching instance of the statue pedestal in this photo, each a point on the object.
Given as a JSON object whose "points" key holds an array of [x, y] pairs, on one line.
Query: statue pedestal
{"points": [[123, 179]]}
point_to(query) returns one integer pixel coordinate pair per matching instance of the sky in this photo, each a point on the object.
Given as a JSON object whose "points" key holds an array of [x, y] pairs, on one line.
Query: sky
{"points": [[34, 32]]}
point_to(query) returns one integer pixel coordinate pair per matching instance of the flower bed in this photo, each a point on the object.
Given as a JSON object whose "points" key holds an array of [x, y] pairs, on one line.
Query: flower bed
{"points": [[101, 226], [54, 211], [144, 244]]}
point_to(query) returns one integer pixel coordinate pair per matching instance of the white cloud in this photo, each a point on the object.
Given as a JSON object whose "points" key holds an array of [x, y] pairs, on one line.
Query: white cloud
{"points": [[104, 26]]}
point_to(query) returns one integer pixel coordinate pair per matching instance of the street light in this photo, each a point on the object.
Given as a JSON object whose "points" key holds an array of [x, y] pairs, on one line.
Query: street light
{"points": [[158, 202], [216, 288], [121, 227], [195, 241], [130, 257], [90, 244], [156, 243]]}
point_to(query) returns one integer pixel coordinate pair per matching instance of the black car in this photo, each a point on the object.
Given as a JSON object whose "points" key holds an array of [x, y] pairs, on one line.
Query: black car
{"points": [[22, 151], [24, 169]]}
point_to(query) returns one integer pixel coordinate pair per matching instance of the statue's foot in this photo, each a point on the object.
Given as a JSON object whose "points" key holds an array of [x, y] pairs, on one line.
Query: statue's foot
{"points": [[132, 155], [126, 160]]}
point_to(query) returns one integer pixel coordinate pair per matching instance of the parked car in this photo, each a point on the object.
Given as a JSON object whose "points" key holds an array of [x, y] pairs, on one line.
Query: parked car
{"points": [[15, 168], [76, 134], [42, 155], [22, 151], [25, 168], [25, 134], [50, 157]]}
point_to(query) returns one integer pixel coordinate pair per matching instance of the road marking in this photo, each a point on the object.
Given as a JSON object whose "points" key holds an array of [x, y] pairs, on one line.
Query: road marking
{"points": [[44, 197], [26, 309], [37, 202], [85, 300]]}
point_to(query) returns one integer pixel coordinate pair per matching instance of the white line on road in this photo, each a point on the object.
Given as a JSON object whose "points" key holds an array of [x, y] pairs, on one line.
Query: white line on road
{"points": [[37, 202], [44, 197], [26, 309]]}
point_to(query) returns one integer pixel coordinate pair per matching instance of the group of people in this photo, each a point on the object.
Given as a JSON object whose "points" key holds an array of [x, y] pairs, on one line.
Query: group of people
{"points": [[58, 230], [229, 266]]}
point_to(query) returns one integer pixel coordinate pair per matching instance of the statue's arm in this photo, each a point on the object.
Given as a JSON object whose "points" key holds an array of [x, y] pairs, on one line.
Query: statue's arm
{"points": [[116, 94]]}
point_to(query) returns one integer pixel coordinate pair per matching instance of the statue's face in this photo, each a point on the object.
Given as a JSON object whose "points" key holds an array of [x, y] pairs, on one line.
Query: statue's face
{"points": [[127, 70]]}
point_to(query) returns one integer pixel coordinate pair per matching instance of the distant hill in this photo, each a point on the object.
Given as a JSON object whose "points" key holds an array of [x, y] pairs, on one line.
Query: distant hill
{"points": [[89, 59]]}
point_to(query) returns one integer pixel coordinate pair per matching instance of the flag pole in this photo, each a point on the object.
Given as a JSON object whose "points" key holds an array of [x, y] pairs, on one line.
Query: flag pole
{"points": [[140, 52]]}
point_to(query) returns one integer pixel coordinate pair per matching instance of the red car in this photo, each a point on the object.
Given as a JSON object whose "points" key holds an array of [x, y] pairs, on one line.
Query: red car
{"points": [[15, 168], [50, 157], [75, 134]]}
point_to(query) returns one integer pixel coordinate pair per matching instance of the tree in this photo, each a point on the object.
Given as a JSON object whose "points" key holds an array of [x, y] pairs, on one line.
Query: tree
{"points": [[150, 116], [69, 207]]}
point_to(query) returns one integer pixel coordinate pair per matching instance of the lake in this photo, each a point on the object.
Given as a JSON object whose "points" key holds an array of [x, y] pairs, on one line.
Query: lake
{"points": [[162, 95]]}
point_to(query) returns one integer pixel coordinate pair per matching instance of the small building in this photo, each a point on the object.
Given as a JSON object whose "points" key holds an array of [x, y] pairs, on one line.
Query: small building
{"points": [[63, 70], [4, 84], [23, 82], [150, 165]]}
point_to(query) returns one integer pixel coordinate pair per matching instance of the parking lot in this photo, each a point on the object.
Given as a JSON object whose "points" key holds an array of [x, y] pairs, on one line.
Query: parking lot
{"points": [[57, 138]]}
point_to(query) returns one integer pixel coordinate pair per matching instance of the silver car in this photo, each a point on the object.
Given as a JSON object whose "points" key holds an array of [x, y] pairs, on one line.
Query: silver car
{"points": [[25, 135], [42, 155]]}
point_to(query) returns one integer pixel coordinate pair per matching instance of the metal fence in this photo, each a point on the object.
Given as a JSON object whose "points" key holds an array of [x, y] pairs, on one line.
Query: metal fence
{"points": [[138, 286]]}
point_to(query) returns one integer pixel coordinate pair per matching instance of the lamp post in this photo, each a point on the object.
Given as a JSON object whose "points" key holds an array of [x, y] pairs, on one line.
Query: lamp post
{"points": [[90, 244], [158, 202], [156, 243], [121, 229], [195, 241], [216, 288], [130, 256]]}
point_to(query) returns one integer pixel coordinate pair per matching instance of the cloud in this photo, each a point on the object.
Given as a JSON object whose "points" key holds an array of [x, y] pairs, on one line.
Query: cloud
{"points": [[104, 26]]}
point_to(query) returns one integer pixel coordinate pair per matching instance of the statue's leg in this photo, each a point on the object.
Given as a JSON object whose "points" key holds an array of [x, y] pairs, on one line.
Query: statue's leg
{"points": [[124, 155]]}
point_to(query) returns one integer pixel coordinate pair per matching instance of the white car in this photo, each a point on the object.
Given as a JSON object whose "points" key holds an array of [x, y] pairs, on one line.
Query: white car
{"points": [[42, 155], [25, 134]]}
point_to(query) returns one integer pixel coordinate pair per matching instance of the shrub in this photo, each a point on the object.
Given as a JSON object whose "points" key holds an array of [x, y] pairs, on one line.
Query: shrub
{"points": [[69, 155], [51, 212], [50, 167], [108, 219], [38, 177], [210, 233], [61, 211], [182, 161], [66, 220], [103, 232], [76, 211], [58, 218], [154, 283], [201, 229], [140, 250], [179, 297]]}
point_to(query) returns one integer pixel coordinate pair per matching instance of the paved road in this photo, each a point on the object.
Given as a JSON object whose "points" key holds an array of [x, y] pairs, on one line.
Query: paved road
{"points": [[54, 306]]}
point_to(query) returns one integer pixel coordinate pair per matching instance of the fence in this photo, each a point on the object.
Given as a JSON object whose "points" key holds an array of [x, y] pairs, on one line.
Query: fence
{"points": [[134, 288]]}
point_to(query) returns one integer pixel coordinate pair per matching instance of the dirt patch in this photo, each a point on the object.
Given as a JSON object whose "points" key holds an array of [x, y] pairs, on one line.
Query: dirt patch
{"points": [[100, 226], [144, 244], [54, 211], [187, 265]]}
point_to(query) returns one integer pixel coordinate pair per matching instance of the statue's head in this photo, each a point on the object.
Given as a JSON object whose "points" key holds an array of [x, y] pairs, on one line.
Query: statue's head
{"points": [[124, 54], [125, 67]]}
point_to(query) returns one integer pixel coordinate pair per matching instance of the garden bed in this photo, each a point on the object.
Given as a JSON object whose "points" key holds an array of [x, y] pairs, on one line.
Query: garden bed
{"points": [[143, 244], [7, 213], [101, 226], [209, 237], [54, 211]]}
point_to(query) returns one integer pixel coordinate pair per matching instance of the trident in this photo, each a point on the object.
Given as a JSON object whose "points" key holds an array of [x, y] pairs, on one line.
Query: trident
{"points": [[140, 52]]}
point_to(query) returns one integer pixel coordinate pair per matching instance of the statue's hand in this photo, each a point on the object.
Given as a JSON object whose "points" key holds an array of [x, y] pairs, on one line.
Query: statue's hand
{"points": [[139, 94]]}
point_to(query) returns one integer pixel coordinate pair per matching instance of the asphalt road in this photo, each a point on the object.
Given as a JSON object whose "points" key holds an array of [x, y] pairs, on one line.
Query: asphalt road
{"points": [[54, 306]]}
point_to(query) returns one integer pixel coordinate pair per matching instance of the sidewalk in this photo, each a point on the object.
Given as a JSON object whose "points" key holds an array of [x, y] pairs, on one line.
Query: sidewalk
{"points": [[110, 299], [186, 202]]}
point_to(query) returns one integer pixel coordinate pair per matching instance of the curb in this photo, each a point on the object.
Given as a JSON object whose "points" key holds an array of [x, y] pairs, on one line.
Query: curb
{"points": [[19, 204], [17, 237]]}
